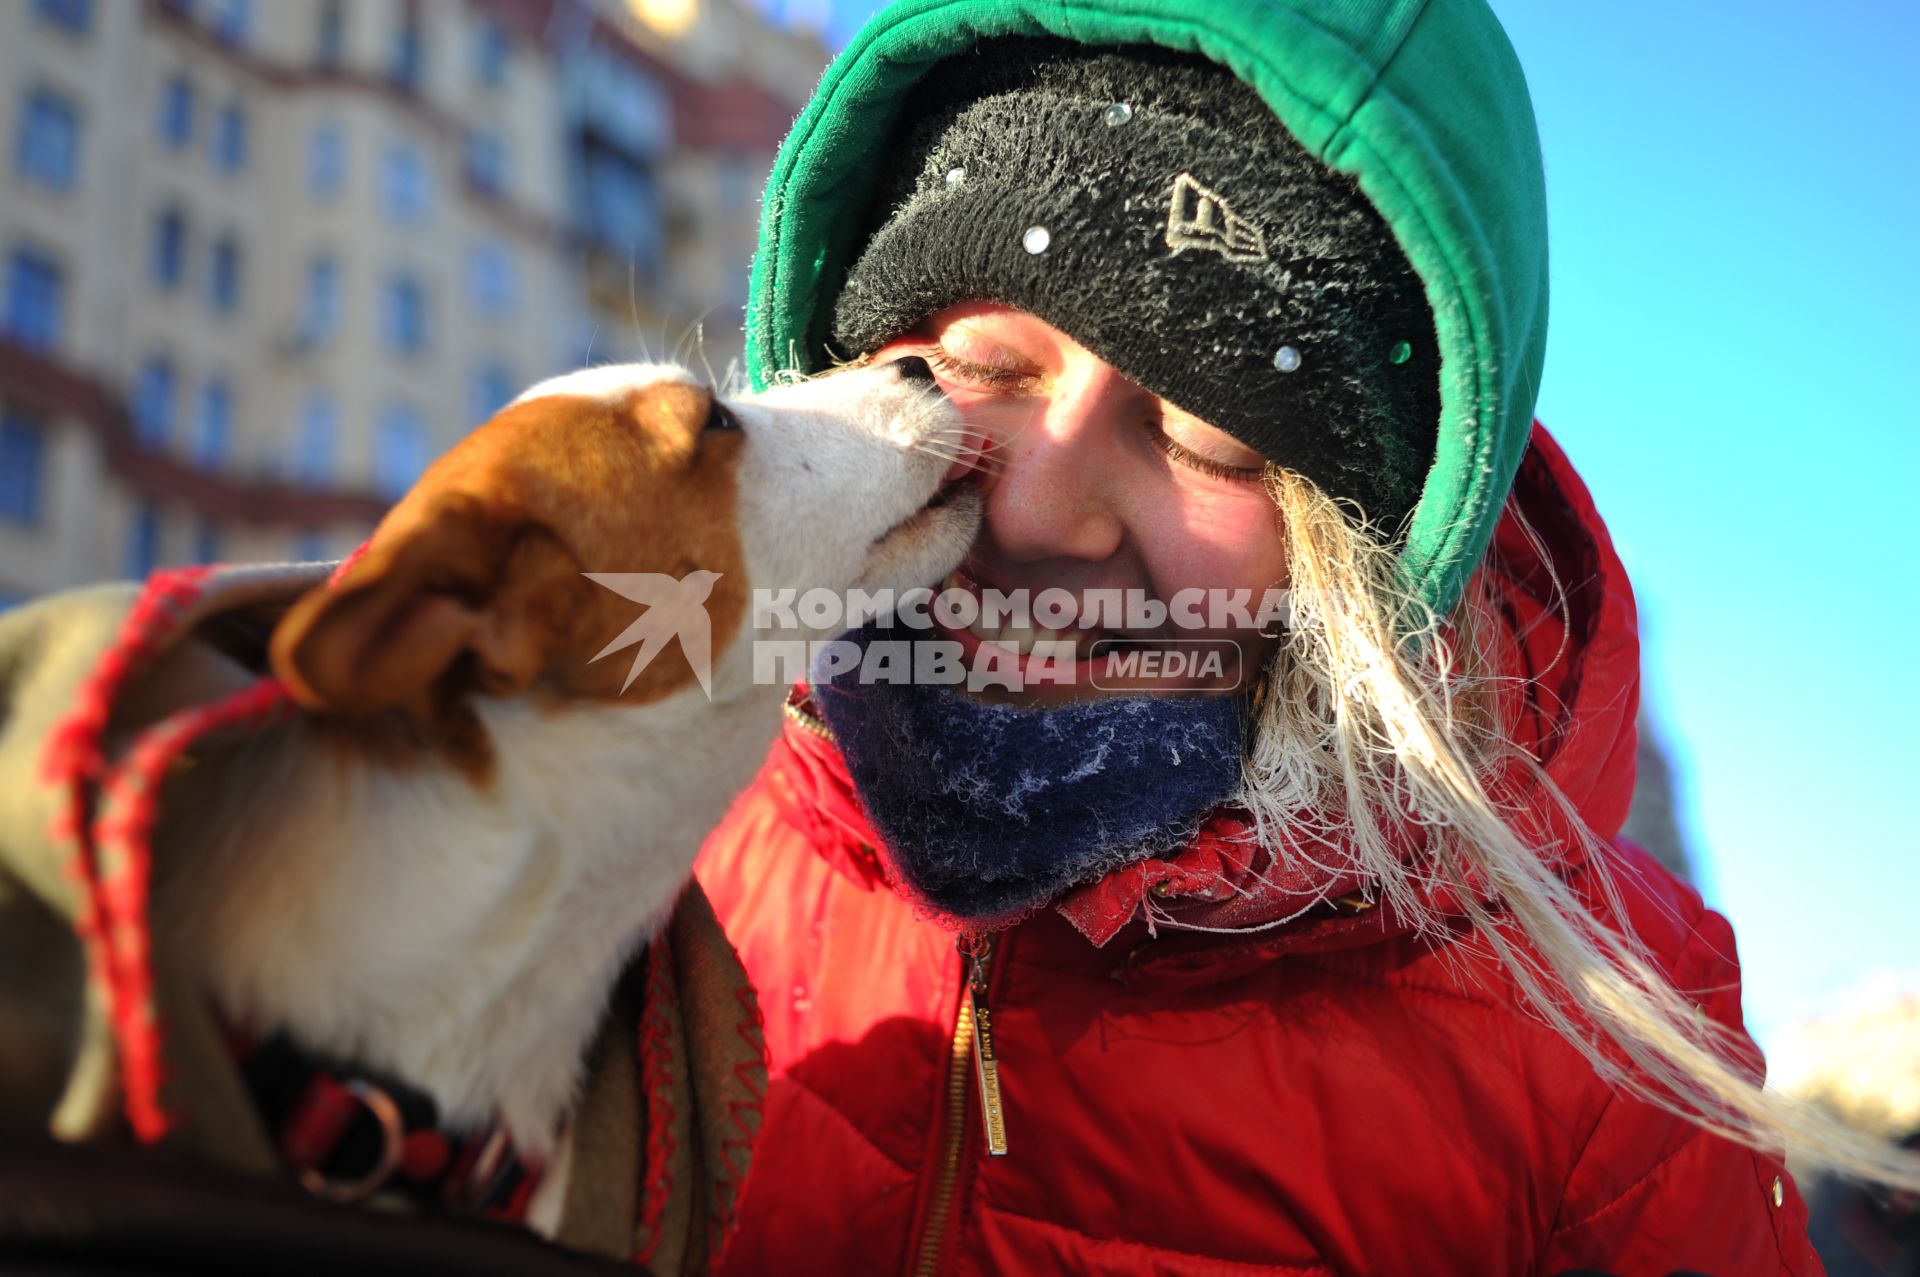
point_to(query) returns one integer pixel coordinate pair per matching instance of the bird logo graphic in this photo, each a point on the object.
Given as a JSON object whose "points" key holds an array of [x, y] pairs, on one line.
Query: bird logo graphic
{"points": [[676, 611]]}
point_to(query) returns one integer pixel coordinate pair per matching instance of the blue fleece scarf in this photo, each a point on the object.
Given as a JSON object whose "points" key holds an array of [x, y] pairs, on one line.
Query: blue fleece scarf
{"points": [[990, 810]]}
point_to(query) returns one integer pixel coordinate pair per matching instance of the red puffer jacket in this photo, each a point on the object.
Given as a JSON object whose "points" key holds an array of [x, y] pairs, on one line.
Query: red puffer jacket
{"points": [[1332, 1095]]}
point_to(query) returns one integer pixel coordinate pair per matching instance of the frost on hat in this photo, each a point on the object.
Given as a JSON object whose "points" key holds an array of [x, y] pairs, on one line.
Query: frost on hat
{"points": [[1147, 203]]}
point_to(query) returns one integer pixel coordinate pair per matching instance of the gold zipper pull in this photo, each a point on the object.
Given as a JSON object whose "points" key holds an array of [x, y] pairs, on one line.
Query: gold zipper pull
{"points": [[986, 1065]]}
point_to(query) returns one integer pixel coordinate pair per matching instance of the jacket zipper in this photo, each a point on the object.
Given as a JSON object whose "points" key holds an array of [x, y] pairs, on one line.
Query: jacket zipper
{"points": [[802, 715], [971, 1049], [986, 1064]]}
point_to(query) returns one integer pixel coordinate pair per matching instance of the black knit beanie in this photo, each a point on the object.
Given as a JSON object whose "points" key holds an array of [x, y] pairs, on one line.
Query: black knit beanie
{"points": [[1148, 204]]}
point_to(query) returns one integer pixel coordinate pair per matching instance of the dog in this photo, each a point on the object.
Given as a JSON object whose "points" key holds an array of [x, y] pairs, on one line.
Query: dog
{"points": [[438, 870]]}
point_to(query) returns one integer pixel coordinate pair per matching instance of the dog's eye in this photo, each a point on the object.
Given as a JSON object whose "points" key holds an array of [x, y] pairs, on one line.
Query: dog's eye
{"points": [[720, 417]]}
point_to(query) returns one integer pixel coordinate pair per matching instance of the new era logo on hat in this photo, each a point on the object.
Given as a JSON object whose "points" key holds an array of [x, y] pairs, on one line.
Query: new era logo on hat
{"points": [[1200, 219]]}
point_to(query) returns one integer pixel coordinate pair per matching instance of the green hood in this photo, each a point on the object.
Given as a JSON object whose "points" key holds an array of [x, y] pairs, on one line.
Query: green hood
{"points": [[1422, 100]]}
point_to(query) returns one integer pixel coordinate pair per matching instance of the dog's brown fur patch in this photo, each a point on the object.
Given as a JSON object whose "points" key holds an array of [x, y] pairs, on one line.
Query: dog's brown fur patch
{"points": [[473, 582]]}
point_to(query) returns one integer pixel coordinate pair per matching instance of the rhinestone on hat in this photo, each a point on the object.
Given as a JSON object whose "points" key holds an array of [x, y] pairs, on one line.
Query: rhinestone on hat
{"points": [[1286, 359], [1036, 240], [1117, 114], [1402, 351], [955, 176]]}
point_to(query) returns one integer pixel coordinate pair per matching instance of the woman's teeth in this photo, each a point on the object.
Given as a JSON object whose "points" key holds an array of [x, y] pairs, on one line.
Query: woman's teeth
{"points": [[1024, 640]]}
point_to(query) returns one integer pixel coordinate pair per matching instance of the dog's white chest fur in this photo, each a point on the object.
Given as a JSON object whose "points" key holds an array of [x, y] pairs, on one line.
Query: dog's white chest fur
{"points": [[462, 938]]}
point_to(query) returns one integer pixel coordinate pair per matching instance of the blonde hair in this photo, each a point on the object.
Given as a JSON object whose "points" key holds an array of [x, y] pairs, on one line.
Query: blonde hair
{"points": [[1375, 714]]}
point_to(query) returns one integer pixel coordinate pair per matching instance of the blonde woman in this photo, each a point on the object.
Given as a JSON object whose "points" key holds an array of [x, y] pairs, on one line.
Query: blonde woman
{"points": [[1327, 959]]}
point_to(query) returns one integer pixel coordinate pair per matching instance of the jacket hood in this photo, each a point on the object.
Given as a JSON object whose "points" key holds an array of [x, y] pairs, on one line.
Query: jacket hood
{"points": [[1568, 651], [1422, 101]]}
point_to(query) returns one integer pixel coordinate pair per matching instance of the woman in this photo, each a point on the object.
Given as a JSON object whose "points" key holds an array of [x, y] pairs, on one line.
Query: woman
{"points": [[1341, 971]]}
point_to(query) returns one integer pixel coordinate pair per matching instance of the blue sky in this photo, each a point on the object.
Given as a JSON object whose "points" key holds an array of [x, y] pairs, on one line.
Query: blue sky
{"points": [[1731, 364], [1734, 364]]}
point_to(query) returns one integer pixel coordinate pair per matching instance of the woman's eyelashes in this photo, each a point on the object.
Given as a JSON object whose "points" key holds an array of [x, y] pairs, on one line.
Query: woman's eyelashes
{"points": [[992, 378], [984, 375], [1205, 465]]}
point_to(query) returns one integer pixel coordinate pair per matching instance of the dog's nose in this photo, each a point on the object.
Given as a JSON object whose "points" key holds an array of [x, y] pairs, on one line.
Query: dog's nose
{"points": [[914, 368]]}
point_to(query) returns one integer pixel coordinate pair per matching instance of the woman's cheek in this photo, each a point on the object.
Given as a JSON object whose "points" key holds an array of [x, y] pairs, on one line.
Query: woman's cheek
{"points": [[1222, 542], [1224, 538]]}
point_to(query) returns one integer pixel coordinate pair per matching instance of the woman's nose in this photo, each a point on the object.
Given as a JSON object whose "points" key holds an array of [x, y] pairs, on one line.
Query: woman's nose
{"points": [[1058, 490]]}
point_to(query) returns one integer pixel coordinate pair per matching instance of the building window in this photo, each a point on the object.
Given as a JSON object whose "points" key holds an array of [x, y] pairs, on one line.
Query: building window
{"points": [[213, 426], [330, 48], [490, 282], [23, 466], [493, 49], [230, 139], [492, 390], [232, 21], [406, 183], [326, 160], [406, 315], [310, 546], [143, 541], [35, 299], [576, 347], [400, 450], [314, 446], [738, 184], [620, 102], [169, 264], [320, 314], [49, 149], [75, 15], [153, 403], [206, 541], [486, 162], [176, 112], [408, 65], [620, 205], [223, 276]]}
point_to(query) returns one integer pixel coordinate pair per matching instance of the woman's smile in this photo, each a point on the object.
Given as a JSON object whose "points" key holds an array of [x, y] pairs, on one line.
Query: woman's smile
{"points": [[1094, 485]]}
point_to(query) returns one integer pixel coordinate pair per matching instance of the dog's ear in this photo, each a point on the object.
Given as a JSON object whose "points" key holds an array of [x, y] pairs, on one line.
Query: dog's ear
{"points": [[448, 602]]}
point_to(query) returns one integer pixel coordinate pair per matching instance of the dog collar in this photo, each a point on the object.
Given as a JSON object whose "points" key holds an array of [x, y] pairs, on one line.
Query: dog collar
{"points": [[349, 1135]]}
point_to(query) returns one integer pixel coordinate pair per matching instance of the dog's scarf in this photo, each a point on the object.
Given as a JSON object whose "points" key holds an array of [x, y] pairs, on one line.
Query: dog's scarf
{"points": [[988, 811]]}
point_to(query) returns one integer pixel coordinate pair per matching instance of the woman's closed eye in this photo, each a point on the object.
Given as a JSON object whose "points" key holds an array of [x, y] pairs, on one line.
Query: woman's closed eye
{"points": [[982, 376], [1209, 450], [1189, 443]]}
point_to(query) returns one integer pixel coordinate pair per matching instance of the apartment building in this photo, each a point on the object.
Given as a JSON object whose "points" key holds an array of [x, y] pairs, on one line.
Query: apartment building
{"points": [[261, 262]]}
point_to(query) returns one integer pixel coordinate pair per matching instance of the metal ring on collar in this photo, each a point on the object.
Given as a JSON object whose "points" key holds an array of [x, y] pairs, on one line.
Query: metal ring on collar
{"points": [[393, 1130]]}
